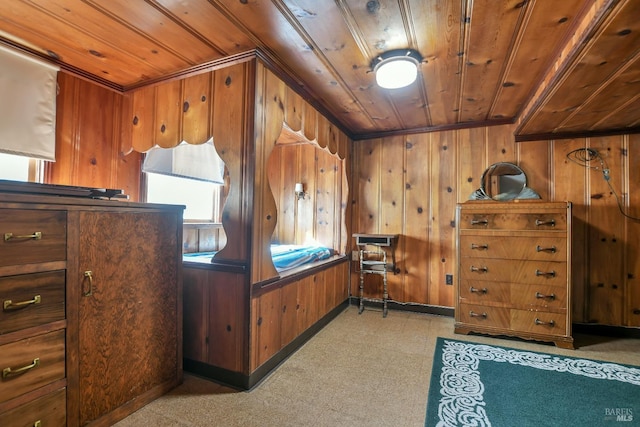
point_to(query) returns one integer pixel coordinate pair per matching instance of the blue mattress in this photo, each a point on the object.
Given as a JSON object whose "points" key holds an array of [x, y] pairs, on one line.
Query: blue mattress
{"points": [[284, 257]]}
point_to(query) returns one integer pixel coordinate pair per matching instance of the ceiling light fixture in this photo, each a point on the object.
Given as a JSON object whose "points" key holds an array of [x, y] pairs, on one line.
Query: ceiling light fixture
{"points": [[396, 68]]}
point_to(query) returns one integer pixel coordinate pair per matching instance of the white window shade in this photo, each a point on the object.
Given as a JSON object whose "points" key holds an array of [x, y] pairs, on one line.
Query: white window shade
{"points": [[28, 108], [200, 162]]}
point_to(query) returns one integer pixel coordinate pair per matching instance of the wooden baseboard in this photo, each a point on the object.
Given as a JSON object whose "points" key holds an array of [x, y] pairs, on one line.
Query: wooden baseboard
{"points": [[401, 306]]}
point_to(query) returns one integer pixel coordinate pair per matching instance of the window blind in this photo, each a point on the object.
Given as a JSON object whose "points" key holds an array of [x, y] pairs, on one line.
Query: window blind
{"points": [[28, 108], [193, 161]]}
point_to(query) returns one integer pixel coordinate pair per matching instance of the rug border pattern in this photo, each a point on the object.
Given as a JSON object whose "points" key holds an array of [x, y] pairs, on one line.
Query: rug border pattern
{"points": [[462, 390]]}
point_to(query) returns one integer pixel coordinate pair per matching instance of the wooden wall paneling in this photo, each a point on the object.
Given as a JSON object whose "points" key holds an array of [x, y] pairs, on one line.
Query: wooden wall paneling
{"points": [[334, 139], [142, 119], [632, 259], [265, 327], [294, 110], [345, 189], [197, 100], [569, 183], [606, 236], [232, 134], [127, 163], [304, 303], [306, 167], [323, 132], [535, 159], [310, 123], [501, 146], [417, 199], [268, 119], [88, 148], [67, 134], [168, 115], [392, 206], [190, 240], [274, 174], [342, 284], [97, 136], [325, 198], [318, 298], [289, 313], [227, 325], [443, 204], [472, 160], [368, 210], [289, 214], [196, 317]]}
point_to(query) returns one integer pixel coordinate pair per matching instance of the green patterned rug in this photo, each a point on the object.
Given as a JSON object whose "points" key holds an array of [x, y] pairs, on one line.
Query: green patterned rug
{"points": [[482, 385]]}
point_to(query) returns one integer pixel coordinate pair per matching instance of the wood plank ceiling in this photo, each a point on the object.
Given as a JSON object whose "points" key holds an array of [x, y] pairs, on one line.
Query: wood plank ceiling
{"points": [[554, 67]]}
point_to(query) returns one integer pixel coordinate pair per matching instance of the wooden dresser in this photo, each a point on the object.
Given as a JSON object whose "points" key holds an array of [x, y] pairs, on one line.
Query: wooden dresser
{"points": [[514, 270], [90, 327]]}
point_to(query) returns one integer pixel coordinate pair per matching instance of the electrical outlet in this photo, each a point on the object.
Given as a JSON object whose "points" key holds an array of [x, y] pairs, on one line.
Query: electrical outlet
{"points": [[448, 279], [355, 255]]}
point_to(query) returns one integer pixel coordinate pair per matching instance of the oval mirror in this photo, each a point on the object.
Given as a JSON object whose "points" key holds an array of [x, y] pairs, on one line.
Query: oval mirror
{"points": [[504, 181]]}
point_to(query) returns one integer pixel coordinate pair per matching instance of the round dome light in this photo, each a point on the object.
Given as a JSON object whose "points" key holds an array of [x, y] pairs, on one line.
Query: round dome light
{"points": [[396, 68]]}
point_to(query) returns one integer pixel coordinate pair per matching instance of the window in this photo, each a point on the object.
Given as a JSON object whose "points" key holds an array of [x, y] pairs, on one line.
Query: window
{"points": [[20, 168], [201, 198]]}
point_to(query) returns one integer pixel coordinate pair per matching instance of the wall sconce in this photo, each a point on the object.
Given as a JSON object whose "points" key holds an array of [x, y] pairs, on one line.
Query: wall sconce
{"points": [[299, 190], [396, 68]]}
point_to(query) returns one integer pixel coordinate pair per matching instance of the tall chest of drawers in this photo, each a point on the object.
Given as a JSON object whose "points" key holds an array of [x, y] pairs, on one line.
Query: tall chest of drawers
{"points": [[514, 270]]}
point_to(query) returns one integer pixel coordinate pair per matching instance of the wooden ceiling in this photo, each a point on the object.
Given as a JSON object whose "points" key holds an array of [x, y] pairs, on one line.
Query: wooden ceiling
{"points": [[565, 67]]}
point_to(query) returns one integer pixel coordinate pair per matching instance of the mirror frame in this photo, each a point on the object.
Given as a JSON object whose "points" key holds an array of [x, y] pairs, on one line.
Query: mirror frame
{"points": [[524, 193]]}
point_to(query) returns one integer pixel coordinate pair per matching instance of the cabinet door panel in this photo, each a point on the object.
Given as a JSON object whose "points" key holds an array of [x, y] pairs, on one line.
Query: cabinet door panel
{"points": [[128, 307]]}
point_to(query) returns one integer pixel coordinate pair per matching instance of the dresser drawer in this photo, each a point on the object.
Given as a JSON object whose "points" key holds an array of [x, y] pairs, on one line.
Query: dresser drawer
{"points": [[50, 410], [504, 270], [31, 300], [539, 322], [494, 317], [31, 363], [518, 295], [32, 236], [506, 247], [512, 221], [482, 292]]}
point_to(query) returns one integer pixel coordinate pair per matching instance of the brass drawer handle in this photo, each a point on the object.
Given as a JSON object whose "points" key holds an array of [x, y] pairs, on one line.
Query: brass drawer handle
{"points": [[483, 247], [479, 221], [479, 269], [8, 372], [37, 423], [89, 275], [551, 249], [478, 291], [551, 222], [10, 305], [540, 322], [543, 296], [474, 314], [35, 236], [546, 273]]}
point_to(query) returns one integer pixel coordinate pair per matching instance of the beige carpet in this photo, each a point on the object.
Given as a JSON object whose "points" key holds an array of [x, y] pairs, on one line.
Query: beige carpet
{"points": [[360, 370]]}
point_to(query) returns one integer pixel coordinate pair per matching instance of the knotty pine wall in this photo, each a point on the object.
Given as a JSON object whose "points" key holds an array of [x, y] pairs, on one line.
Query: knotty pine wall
{"points": [[88, 141], [410, 185], [319, 216]]}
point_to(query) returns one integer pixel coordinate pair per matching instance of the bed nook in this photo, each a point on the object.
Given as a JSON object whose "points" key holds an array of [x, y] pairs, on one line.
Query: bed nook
{"points": [[275, 271]]}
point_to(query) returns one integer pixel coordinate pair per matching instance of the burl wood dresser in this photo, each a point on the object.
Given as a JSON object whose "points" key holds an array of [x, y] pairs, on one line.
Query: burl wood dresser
{"points": [[514, 270], [91, 316]]}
